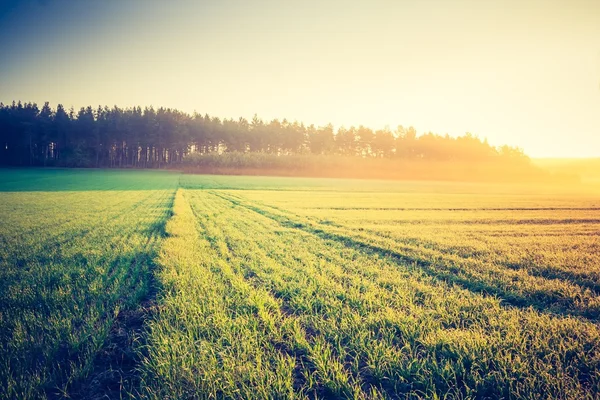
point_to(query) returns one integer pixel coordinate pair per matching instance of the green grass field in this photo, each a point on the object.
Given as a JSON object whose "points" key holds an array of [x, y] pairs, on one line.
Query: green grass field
{"points": [[257, 287]]}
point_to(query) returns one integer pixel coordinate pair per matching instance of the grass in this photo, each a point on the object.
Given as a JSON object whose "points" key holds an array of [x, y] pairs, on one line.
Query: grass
{"points": [[71, 261], [300, 288]]}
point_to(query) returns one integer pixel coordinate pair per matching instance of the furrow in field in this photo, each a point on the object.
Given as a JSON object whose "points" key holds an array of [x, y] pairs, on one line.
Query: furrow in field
{"points": [[584, 277], [320, 367], [213, 335], [314, 295], [262, 351], [481, 237], [395, 331], [567, 282], [515, 287], [62, 304], [571, 260], [114, 371], [29, 247], [53, 250]]}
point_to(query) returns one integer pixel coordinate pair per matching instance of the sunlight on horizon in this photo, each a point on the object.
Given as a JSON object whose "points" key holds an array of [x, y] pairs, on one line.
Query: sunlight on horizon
{"points": [[525, 74]]}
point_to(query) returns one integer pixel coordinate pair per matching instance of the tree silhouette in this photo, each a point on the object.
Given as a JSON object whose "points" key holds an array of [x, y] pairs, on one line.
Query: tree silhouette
{"points": [[156, 138]]}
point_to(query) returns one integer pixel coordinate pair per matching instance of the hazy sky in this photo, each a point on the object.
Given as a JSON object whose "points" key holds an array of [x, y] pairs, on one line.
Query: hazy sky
{"points": [[522, 72]]}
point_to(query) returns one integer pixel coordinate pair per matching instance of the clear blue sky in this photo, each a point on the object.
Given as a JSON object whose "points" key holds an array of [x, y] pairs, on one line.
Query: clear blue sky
{"points": [[524, 73]]}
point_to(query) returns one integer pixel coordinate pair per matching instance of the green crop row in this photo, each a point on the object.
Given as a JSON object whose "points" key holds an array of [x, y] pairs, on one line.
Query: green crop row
{"points": [[70, 262], [258, 306], [119, 284], [551, 267]]}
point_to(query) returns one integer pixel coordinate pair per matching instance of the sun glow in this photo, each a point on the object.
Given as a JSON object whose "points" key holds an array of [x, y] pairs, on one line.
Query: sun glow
{"points": [[523, 74]]}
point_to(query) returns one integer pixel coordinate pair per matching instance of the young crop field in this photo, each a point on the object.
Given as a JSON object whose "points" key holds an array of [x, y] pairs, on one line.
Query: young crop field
{"points": [[76, 248], [285, 288]]}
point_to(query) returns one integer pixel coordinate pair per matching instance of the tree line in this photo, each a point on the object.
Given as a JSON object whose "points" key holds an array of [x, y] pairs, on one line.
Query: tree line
{"points": [[157, 138]]}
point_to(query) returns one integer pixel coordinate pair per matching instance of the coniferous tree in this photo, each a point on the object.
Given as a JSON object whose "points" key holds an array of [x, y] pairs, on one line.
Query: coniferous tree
{"points": [[155, 138]]}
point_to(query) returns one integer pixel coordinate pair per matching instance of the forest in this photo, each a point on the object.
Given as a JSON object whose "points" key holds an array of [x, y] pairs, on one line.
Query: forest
{"points": [[158, 138]]}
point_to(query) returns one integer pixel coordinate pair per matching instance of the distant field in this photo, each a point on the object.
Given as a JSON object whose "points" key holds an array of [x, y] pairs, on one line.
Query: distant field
{"points": [[256, 287], [586, 169]]}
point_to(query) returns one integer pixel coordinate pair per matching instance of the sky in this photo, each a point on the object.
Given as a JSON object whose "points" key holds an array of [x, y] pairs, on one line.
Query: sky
{"points": [[520, 72]]}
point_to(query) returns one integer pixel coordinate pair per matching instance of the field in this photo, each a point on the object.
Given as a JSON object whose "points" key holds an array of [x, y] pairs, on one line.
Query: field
{"points": [[255, 287], [77, 247]]}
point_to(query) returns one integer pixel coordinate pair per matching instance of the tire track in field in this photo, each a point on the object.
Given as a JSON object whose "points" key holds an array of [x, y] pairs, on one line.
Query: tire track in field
{"points": [[112, 365], [307, 351], [351, 359], [50, 247], [306, 359], [115, 369], [247, 223], [218, 214], [193, 256], [67, 235], [560, 306], [581, 280], [298, 351], [57, 231]]}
